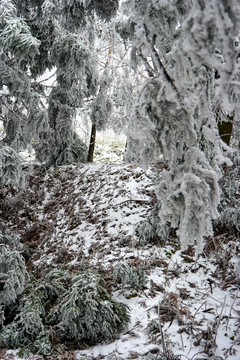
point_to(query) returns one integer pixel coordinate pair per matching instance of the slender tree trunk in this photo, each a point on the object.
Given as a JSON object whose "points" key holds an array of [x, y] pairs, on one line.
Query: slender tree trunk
{"points": [[92, 143], [94, 128], [225, 128]]}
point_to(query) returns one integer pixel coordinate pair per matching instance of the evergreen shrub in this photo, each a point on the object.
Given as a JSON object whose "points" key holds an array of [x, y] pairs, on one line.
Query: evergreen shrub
{"points": [[61, 309], [151, 229], [132, 277], [27, 329], [10, 168], [12, 268], [88, 312], [229, 208]]}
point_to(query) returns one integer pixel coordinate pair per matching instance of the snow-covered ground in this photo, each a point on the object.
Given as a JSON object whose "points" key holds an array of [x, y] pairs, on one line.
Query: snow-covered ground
{"points": [[87, 214]]}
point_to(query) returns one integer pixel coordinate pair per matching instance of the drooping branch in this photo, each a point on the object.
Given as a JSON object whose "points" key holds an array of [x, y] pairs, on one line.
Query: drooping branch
{"points": [[166, 75]]}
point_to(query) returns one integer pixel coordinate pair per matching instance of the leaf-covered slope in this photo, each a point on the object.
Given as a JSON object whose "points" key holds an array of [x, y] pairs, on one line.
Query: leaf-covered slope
{"points": [[81, 212]]}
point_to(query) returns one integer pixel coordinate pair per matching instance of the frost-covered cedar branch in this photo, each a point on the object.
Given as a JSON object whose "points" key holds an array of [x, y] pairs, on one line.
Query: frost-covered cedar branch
{"points": [[186, 43], [38, 37]]}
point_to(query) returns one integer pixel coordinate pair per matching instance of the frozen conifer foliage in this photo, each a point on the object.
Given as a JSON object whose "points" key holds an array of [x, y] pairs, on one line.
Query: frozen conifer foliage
{"points": [[45, 39], [191, 57], [12, 268], [134, 278], [10, 168], [89, 313], [63, 308]]}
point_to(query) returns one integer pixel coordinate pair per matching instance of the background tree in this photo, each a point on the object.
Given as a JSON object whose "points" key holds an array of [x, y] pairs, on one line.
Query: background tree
{"points": [[41, 36], [117, 84]]}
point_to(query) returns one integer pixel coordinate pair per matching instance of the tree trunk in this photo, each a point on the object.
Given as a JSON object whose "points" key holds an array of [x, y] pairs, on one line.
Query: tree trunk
{"points": [[92, 143], [225, 128], [94, 128]]}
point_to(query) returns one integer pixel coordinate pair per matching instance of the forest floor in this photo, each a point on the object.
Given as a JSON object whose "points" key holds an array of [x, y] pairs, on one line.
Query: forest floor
{"points": [[85, 215]]}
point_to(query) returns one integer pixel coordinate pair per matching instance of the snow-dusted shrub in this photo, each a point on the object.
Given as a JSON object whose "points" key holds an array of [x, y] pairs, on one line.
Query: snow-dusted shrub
{"points": [[122, 273], [229, 185], [151, 229], [10, 239], [230, 218], [138, 278], [87, 311], [58, 309], [27, 326], [12, 269], [10, 168], [153, 328], [29, 330], [229, 208], [132, 277], [57, 279]]}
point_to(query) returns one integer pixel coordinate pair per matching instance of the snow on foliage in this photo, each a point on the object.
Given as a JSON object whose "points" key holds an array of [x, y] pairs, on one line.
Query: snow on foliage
{"points": [[88, 311], [10, 168], [82, 217], [16, 37], [135, 278], [190, 197], [179, 43], [12, 268], [37, 37], [57, 309]]}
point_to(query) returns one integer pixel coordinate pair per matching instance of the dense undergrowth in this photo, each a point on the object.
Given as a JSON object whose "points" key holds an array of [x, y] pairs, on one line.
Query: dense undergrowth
{"points": [[61, 307], [56, 296]]}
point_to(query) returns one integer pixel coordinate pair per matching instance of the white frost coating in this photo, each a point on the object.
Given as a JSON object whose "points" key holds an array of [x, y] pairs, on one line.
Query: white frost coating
{"points": [[212, 25], [10, 168], [193, 59], [189, 198]]}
